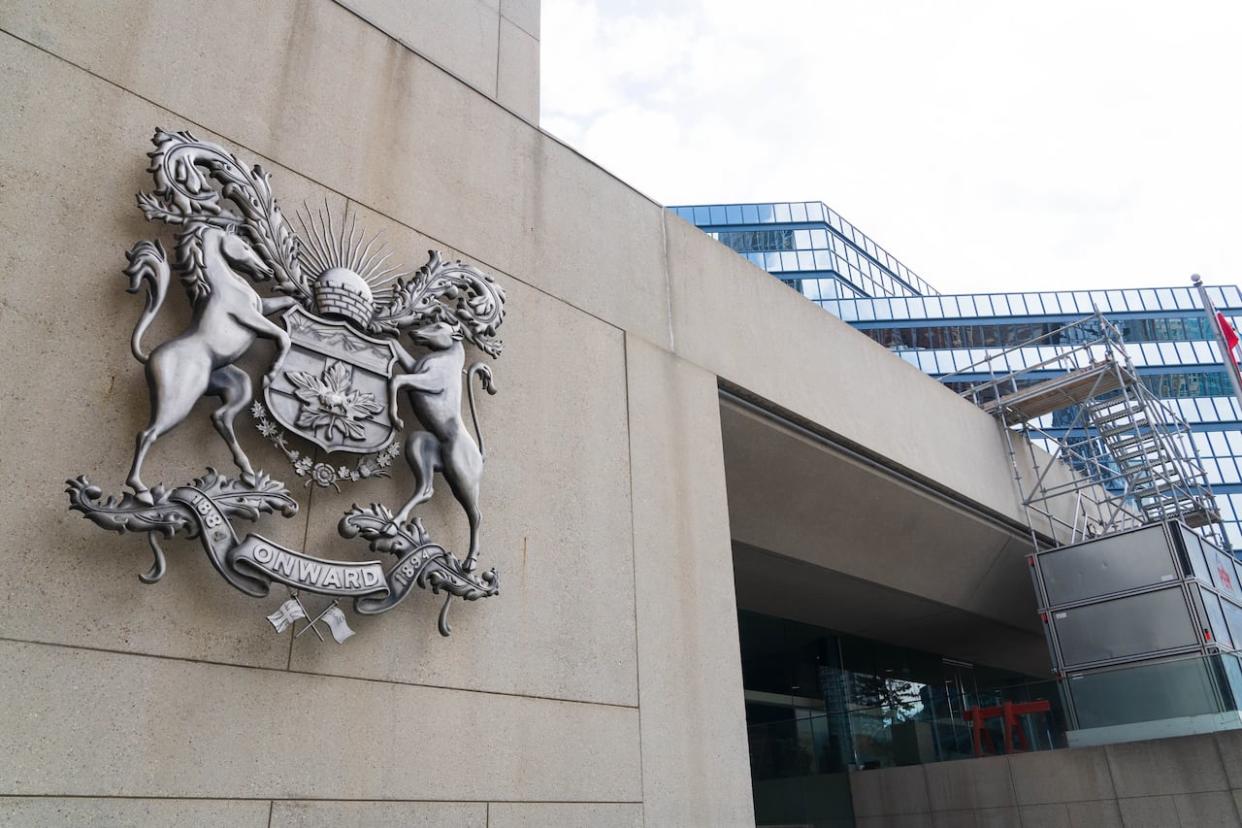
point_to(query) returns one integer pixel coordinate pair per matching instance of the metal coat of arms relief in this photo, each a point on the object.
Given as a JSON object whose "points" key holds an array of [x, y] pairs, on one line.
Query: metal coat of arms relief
{"points": [[337, 313]]}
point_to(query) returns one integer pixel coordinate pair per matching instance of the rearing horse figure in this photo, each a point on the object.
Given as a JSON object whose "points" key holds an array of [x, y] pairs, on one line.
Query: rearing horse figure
{"points": [[228, 315]]}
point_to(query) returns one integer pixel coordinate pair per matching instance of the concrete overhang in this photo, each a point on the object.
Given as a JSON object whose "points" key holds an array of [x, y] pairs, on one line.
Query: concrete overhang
{"points": [[826, 535]]}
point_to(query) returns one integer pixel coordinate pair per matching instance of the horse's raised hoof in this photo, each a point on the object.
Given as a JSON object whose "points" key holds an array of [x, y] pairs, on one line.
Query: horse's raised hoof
{"points": [[469, 565], [250, 479], [144, 497]]}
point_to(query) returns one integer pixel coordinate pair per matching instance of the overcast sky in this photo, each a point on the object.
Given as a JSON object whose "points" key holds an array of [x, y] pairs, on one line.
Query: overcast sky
{"points": [[988, 145]]}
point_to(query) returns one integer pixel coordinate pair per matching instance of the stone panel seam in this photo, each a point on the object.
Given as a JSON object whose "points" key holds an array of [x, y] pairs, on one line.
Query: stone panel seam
{"points": [[1224, 768], [499, 46], [235, 798], [534, 36], [1013, 786], [340, 676], [668, 283], [409, 48], [629, 449], [241, 145], [271, 806], [310, 505]]}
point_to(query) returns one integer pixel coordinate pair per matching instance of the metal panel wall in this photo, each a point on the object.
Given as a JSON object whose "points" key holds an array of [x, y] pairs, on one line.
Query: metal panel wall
{"points": [[1133, 626], [1109, 565]]}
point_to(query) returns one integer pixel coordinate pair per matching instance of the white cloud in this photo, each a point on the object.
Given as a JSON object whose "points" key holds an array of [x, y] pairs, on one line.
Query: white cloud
{"points": [[990, 146]]}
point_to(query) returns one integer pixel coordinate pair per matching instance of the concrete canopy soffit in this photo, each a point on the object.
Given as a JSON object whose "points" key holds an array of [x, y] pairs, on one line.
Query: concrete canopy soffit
{"points": [[336, 308]]}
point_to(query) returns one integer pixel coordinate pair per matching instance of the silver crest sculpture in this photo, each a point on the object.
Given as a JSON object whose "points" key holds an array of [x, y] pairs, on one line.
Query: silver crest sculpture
{"points": [[339, 369]]}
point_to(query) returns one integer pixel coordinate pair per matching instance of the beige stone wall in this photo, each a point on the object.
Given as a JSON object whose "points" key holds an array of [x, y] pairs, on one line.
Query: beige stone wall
{"points": [[1189, 781], [603, 686], [493, 45]]}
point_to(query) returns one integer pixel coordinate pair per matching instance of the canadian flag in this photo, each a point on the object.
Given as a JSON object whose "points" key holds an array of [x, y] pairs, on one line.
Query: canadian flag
{"points": [[1229, 335]]}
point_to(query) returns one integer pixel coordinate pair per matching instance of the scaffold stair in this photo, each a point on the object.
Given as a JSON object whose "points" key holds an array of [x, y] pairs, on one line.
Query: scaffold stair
{"points": [[1163, 484], [1133, 460]]}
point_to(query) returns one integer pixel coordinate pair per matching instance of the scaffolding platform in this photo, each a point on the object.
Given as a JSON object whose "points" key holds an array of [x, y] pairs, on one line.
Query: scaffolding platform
{"points": [[1130, 459], [1073, 388]]}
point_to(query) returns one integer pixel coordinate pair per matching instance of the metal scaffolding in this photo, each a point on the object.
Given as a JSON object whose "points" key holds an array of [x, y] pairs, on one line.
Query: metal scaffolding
{"points": [[1075, 393]]}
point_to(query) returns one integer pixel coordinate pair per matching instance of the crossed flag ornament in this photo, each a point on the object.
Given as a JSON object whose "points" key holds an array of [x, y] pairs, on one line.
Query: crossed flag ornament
{"points": [[292, 610]]}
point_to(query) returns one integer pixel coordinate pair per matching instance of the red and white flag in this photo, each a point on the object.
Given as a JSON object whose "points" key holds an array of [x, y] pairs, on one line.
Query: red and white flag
{"points": [[1229, 335]]}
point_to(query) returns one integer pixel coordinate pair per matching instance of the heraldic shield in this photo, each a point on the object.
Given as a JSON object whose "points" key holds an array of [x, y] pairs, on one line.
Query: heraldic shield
{"points": [[333, 387]]}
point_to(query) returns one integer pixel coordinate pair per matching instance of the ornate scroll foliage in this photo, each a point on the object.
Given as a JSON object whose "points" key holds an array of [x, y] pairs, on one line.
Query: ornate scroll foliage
{"points": [[128, 514], [453, 292], [420, 562], [187, 172]]}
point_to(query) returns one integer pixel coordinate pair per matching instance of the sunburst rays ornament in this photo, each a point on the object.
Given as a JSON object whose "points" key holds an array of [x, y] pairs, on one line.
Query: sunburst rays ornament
{"points": [[348, 268]]}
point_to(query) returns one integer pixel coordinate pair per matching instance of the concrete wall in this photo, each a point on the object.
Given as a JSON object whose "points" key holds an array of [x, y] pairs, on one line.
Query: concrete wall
{"points": [[493, 45], [603, 686], [1189, 782]]}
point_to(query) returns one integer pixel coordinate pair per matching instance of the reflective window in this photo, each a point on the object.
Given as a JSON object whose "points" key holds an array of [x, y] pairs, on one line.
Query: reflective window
{"points": [[745, 241]]}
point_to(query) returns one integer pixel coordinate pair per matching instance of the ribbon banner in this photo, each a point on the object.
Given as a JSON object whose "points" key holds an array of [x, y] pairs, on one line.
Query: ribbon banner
{"points": [[204, 509], [272, 561]]}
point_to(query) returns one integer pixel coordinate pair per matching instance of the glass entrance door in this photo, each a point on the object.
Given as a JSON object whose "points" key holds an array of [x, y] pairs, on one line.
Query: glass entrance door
{"points": [[951, 701]]}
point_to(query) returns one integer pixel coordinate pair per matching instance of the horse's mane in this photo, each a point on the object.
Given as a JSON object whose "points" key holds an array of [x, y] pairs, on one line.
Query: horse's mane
{"points": [[191, 266]]}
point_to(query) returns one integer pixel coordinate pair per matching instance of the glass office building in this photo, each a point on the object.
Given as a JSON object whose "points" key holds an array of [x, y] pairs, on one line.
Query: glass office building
{"points": [[818, 253]]}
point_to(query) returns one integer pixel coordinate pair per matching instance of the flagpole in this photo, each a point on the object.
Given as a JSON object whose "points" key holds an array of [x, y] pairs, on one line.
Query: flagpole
{"points": [[1230, 363]]}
